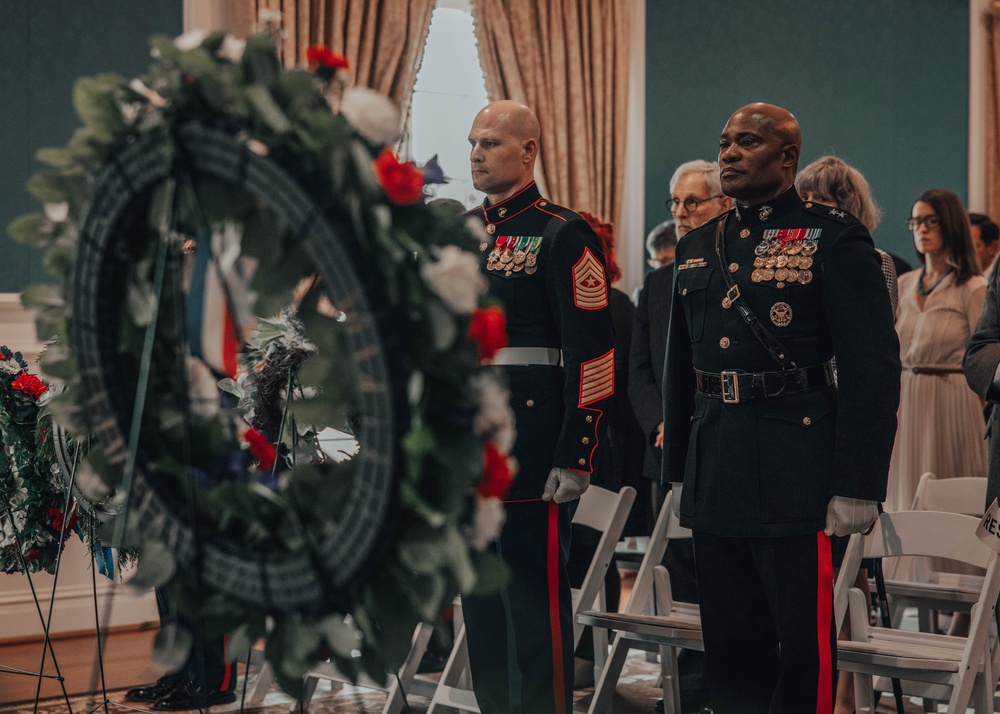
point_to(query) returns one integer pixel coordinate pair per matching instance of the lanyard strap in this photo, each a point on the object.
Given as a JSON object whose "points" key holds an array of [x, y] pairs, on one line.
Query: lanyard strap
{"points": [[733, 299]]}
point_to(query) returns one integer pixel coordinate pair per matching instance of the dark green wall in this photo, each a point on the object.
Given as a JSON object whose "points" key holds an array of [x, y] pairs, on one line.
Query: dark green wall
{"points": [[44, 46], [884, 84]]}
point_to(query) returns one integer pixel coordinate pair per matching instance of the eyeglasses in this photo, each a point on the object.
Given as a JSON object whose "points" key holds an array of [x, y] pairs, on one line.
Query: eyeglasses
{"points": [[930, 220], [690, 204]]}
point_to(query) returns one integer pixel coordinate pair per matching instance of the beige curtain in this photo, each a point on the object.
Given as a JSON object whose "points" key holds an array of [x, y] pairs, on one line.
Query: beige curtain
{"points": [[569, 61], [993, 112], [382, 39]]}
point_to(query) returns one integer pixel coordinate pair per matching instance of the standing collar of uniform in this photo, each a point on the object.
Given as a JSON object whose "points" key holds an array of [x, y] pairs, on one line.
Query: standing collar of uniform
{"points": [[507, 209], [750, 216]]}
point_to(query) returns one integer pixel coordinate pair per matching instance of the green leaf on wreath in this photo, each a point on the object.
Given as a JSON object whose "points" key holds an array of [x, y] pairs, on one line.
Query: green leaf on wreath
{"points": [[31, 230], [171, 646], [340, 635], [493, 573], [163, 48], [56, 157], [96, 105], [42, 295], [156, 567], [268, 110]]}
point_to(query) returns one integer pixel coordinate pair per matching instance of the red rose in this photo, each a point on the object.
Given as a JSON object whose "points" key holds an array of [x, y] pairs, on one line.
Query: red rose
{"points": [[496, 473], [32, 554], [57, 518], [29, 384], [402, 182], [321, 56], [488, 329], [261, 448]]}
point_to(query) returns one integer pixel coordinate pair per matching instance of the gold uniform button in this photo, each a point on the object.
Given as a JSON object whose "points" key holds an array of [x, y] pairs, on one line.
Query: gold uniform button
{"points": [[809, 205], [733, 267], [542, 203], [684, 291], [585, 440], [530, 403], [807, 421], [582, 462], [589, 418], [724, 343]]}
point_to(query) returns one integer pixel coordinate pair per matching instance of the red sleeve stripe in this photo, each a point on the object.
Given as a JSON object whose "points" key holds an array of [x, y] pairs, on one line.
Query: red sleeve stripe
{"points": [[597, 379]]}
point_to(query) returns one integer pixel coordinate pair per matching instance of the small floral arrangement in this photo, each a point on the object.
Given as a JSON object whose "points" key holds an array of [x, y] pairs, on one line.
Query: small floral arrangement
{"points": [[33, 507]]}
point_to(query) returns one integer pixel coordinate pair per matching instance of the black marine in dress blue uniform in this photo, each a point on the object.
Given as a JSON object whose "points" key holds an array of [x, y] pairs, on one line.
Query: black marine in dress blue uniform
{"points": [[762, 448], [545, 264]]}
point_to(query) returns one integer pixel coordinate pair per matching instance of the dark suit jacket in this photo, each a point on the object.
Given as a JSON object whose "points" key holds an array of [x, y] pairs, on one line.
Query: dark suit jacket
{"points": [[649, 348], [768, 466], [980, 365]]}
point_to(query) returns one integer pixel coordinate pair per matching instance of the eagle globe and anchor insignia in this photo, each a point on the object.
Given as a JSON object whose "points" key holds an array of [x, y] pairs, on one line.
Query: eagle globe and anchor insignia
{"points": [[781, 314]]}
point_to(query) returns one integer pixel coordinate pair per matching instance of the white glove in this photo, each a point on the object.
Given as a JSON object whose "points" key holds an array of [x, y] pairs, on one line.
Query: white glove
{"points": [[564, 485], [849, 515], [675, 503]]}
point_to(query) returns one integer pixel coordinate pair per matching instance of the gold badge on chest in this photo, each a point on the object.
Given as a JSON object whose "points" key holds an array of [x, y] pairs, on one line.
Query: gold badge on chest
{"points": [[781, 314]]}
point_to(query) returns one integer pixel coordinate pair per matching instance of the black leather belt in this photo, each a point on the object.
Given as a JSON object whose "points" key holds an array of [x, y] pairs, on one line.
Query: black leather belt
{"points": [[735, 387]]}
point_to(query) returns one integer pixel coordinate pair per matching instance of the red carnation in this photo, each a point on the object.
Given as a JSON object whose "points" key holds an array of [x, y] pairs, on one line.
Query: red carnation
{"points": [[261, 448], [496, 473], [402, 182], [32, 554], [57, 518], [320, 56], [488, 329], [30, 385]]}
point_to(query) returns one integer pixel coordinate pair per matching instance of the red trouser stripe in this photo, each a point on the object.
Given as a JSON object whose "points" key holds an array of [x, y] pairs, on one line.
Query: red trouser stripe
{"points": [[555, 622], [824, 620], [224, 687]]}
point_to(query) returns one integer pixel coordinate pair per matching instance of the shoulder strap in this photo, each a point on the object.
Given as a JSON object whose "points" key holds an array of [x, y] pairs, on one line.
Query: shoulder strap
{"points": [[733, 299]]}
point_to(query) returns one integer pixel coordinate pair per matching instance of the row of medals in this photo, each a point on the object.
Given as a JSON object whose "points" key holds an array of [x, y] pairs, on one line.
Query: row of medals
{"points": [[512, 261], [788, 263]]}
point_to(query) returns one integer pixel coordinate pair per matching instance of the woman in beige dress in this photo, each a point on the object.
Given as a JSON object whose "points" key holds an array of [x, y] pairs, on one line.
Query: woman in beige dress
{"points": [[940, 418]]}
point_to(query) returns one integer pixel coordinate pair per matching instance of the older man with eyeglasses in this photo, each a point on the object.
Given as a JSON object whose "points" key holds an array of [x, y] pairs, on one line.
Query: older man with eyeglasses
{"points": [[696, 195]]}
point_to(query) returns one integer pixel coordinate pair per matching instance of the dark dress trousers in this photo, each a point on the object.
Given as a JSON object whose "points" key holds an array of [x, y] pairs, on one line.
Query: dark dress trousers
{"points": [[760, 465], [547, 268], [980, 366]]}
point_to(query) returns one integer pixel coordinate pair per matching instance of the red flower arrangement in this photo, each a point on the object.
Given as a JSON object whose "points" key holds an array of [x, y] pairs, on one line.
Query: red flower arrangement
{"points": [[261, 448], [488, 329], [496, 473], [402, 182], [30, 385], [58, 518], [321, 57]]}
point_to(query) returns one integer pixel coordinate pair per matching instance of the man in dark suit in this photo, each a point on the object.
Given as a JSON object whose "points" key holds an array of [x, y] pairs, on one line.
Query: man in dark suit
{"points": [[774, 452], [547, 268], [982, 371]]}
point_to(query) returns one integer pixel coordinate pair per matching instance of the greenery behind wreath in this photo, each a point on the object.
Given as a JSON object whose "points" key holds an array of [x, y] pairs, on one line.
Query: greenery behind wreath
{"points": [[116, 239]]}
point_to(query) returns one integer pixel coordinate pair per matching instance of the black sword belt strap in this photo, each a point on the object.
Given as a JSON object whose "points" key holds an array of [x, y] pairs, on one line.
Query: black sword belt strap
{"points": [[733, 299]]}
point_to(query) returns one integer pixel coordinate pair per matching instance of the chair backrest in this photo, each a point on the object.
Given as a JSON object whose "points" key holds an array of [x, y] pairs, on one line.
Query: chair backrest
{"points": [[604, 511], [964, 494]]}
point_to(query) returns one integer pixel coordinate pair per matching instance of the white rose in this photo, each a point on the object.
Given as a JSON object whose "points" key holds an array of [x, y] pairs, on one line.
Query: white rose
{"points": [[10, 366], [267, 15], [495, 418], [190, 40], [232, 49], [373, 115], [486, 522], [456, 278], [57, 212]]}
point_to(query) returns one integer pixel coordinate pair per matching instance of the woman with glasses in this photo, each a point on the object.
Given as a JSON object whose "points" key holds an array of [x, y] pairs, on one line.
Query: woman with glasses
{"points": [[940, 418]]}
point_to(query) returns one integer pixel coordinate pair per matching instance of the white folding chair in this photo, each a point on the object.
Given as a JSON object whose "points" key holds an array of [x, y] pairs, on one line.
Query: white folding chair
{"points": [[673, 625], [929, 589], [934, 666], [600, 509]]}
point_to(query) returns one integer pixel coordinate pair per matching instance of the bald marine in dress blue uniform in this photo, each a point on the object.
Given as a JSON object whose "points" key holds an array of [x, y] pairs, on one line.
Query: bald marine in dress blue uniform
{"points": [[775, 452], [546, 266]]}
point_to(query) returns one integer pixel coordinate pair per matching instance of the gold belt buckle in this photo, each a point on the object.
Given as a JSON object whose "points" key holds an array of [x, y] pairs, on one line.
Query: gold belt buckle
{"points": [[730, 386], [732, 295]]}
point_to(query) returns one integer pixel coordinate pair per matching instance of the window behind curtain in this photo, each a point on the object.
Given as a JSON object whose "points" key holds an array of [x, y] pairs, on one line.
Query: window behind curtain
{"points": [[448, 94]]}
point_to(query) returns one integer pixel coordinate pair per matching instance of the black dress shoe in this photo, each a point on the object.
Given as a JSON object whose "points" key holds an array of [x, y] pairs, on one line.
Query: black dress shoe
{"points": [[159, 689], [191, 696]]}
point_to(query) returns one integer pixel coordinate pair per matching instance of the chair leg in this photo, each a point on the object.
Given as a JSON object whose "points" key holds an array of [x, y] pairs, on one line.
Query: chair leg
{"points": [[670, 679], [308, 689], [265, 678], [864, 693], [604, 692], [396, 699]]}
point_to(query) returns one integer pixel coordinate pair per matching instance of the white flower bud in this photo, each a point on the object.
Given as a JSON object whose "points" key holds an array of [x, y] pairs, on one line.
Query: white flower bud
{"points": [[372, 115], [190, 40], [232, 49], [456, 278]]}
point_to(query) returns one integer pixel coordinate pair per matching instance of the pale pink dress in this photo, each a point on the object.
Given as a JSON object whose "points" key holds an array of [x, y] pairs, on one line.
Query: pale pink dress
{"points": [[941, 423]]}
